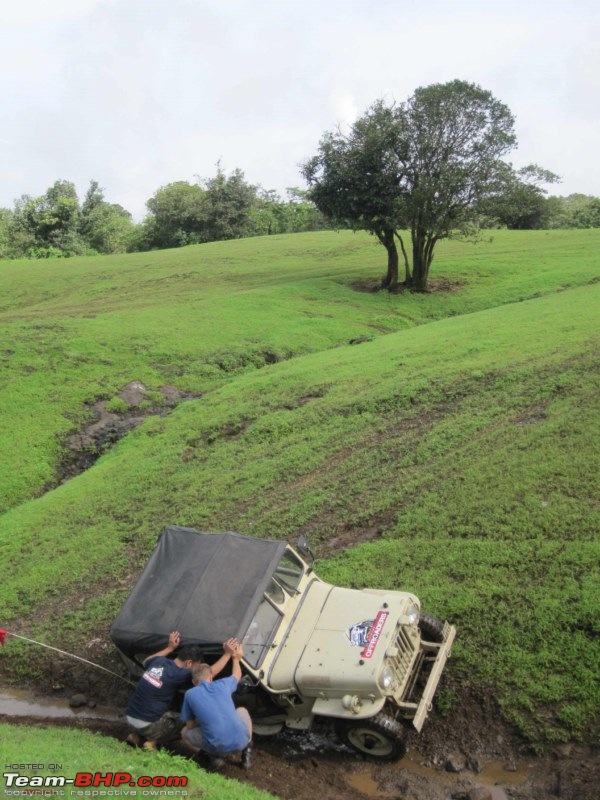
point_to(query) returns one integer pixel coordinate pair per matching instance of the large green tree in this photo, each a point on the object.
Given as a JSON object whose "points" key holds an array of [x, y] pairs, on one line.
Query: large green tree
{"points": [[356, 179], [176, 215], [422, 165], [520, 201], [105, 227], [48, 225], [574, 211], [229, 203]]}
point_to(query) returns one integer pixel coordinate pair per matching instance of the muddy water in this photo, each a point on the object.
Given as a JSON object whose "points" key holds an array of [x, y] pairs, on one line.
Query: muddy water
{"points": [[21, 703], [371, 781], [493, 777]]}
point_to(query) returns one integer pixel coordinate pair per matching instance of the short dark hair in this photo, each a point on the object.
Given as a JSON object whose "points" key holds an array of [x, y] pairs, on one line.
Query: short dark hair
{"points": [[190, 652]]}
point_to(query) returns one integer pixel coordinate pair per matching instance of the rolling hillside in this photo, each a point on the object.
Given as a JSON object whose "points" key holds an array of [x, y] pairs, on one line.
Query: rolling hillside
{"points": [[441, 443]]}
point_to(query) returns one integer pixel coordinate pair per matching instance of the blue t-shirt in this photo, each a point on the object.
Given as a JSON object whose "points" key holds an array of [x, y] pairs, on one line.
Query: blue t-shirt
{"points": [[211, 705], [156, 689]]}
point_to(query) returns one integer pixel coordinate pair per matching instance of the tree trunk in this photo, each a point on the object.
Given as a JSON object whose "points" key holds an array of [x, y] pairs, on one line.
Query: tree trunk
{"points": [[418, 246], [423, 246], [390, 282], [407, 271]]}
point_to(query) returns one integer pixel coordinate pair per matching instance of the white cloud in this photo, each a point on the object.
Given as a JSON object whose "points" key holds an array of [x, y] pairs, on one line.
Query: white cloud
{"points": [[138, 93], [345, 109], [35, 12]]}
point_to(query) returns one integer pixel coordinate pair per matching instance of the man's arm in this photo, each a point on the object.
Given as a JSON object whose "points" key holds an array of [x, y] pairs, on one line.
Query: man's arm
{"points": [[228, 650], [174, 639], [186, 714], [236, 669]]}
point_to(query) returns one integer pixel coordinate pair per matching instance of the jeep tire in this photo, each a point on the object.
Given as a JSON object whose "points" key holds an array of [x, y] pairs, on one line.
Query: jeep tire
{"points": [[432, 628], [380, 737]]}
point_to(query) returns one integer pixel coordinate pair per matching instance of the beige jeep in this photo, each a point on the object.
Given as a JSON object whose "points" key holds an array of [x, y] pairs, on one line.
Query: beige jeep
{"points": [[368, 659]]}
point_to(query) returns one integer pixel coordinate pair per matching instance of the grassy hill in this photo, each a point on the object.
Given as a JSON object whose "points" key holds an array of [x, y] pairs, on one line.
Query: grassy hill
{"points": [[81, 751], [450, 451]]}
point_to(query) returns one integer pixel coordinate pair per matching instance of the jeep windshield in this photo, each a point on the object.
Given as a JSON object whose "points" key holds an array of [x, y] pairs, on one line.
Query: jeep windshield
{"points": [[281, 587]]}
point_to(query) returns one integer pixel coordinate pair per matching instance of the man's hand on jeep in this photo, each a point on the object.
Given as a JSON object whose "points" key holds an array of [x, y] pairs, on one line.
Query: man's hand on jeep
{"points": [[230, 646], [238, 652]]}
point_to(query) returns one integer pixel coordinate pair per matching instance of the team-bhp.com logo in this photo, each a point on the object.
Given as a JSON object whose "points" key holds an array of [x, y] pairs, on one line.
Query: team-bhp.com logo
{"points": [[90, 783]]}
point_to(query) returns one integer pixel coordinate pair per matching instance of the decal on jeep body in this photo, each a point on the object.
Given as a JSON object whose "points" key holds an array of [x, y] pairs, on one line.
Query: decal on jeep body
{"points": [[366, 634]]}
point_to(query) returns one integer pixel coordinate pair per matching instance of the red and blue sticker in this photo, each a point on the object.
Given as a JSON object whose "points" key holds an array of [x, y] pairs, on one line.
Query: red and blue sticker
{"points": [[366, 634]]}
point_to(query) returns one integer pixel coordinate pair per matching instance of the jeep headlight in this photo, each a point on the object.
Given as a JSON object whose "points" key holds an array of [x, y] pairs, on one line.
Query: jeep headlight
{"points": [[412, 614], [386, 678]]}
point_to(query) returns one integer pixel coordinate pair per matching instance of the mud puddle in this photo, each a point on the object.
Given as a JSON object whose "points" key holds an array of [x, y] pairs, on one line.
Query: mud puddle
{"points": [[21, 703], [378, 783], [302, 766]]}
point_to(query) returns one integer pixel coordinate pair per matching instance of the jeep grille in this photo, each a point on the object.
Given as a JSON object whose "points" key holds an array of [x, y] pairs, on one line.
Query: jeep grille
{"points": [[404, 658]]}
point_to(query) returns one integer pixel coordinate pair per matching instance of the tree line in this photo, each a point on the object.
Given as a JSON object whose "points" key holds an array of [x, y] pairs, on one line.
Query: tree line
{"points": [[57, 224], [410, 173]]}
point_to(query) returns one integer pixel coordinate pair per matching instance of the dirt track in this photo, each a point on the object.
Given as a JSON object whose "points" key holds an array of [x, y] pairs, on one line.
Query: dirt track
{"points": [[492, 764]]}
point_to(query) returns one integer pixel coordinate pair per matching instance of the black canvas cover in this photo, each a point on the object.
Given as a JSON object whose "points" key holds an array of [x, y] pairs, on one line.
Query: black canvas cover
{"points": [[207, 586]]}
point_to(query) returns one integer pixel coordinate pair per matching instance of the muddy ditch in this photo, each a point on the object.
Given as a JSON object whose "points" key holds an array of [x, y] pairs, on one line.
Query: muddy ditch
{"points": [[484, 760], [111, 421]]}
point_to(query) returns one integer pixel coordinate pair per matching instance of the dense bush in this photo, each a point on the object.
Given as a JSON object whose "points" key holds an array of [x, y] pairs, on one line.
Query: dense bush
{"points": [[56, 225]]}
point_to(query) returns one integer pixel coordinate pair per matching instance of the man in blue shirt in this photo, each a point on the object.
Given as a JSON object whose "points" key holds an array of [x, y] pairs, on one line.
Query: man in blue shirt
{"points": [[149, 712], [212, 722]]}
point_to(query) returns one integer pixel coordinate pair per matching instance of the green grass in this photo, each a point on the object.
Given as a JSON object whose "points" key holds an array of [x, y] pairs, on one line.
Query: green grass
{"points": [[80, 751], [76, 331], [457, 444]]}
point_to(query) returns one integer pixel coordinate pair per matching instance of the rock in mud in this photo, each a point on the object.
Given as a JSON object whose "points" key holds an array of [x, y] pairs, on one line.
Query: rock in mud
{"points": [[455, 762], [475, 764], [78, 700], [479, 793]]}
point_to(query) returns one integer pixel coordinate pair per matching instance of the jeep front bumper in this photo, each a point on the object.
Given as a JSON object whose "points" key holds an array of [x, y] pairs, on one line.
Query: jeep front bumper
{"points": [[432, 659]]}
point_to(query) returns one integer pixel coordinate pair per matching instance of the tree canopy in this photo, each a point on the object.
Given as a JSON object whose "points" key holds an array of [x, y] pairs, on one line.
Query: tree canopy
{"points": [[520, 202], [55, 225], [49, 224], [176, 215], [424, 165], [180, 213], [224, 207]]}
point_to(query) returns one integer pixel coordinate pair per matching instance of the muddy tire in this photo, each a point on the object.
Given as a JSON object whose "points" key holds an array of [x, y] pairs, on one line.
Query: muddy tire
{"points": [[381, 737], [432, 628], [134, 670]]}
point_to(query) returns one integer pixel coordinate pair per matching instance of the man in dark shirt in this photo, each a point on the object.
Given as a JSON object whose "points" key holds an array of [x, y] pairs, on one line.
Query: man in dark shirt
{"points": [[149, 711]]}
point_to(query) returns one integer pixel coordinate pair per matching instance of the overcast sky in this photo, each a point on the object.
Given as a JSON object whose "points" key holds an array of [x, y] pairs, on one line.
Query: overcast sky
{"points": [[139, 93]]}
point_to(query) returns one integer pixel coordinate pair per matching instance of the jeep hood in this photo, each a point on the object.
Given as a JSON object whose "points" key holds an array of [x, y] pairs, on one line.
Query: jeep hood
{"points": [[349, 641]]}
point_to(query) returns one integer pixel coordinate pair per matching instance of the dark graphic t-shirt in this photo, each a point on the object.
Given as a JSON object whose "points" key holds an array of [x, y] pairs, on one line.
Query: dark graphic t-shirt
{"points": [[156, 689]]}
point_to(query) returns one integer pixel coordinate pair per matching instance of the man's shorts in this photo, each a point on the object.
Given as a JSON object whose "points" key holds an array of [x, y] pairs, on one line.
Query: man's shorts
{"points": [[167, 727], [193, 736]]}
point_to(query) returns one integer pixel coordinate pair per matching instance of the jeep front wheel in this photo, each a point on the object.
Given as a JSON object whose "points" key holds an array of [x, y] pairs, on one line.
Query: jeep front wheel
{"points": [[381, 737], [432, 628]]}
